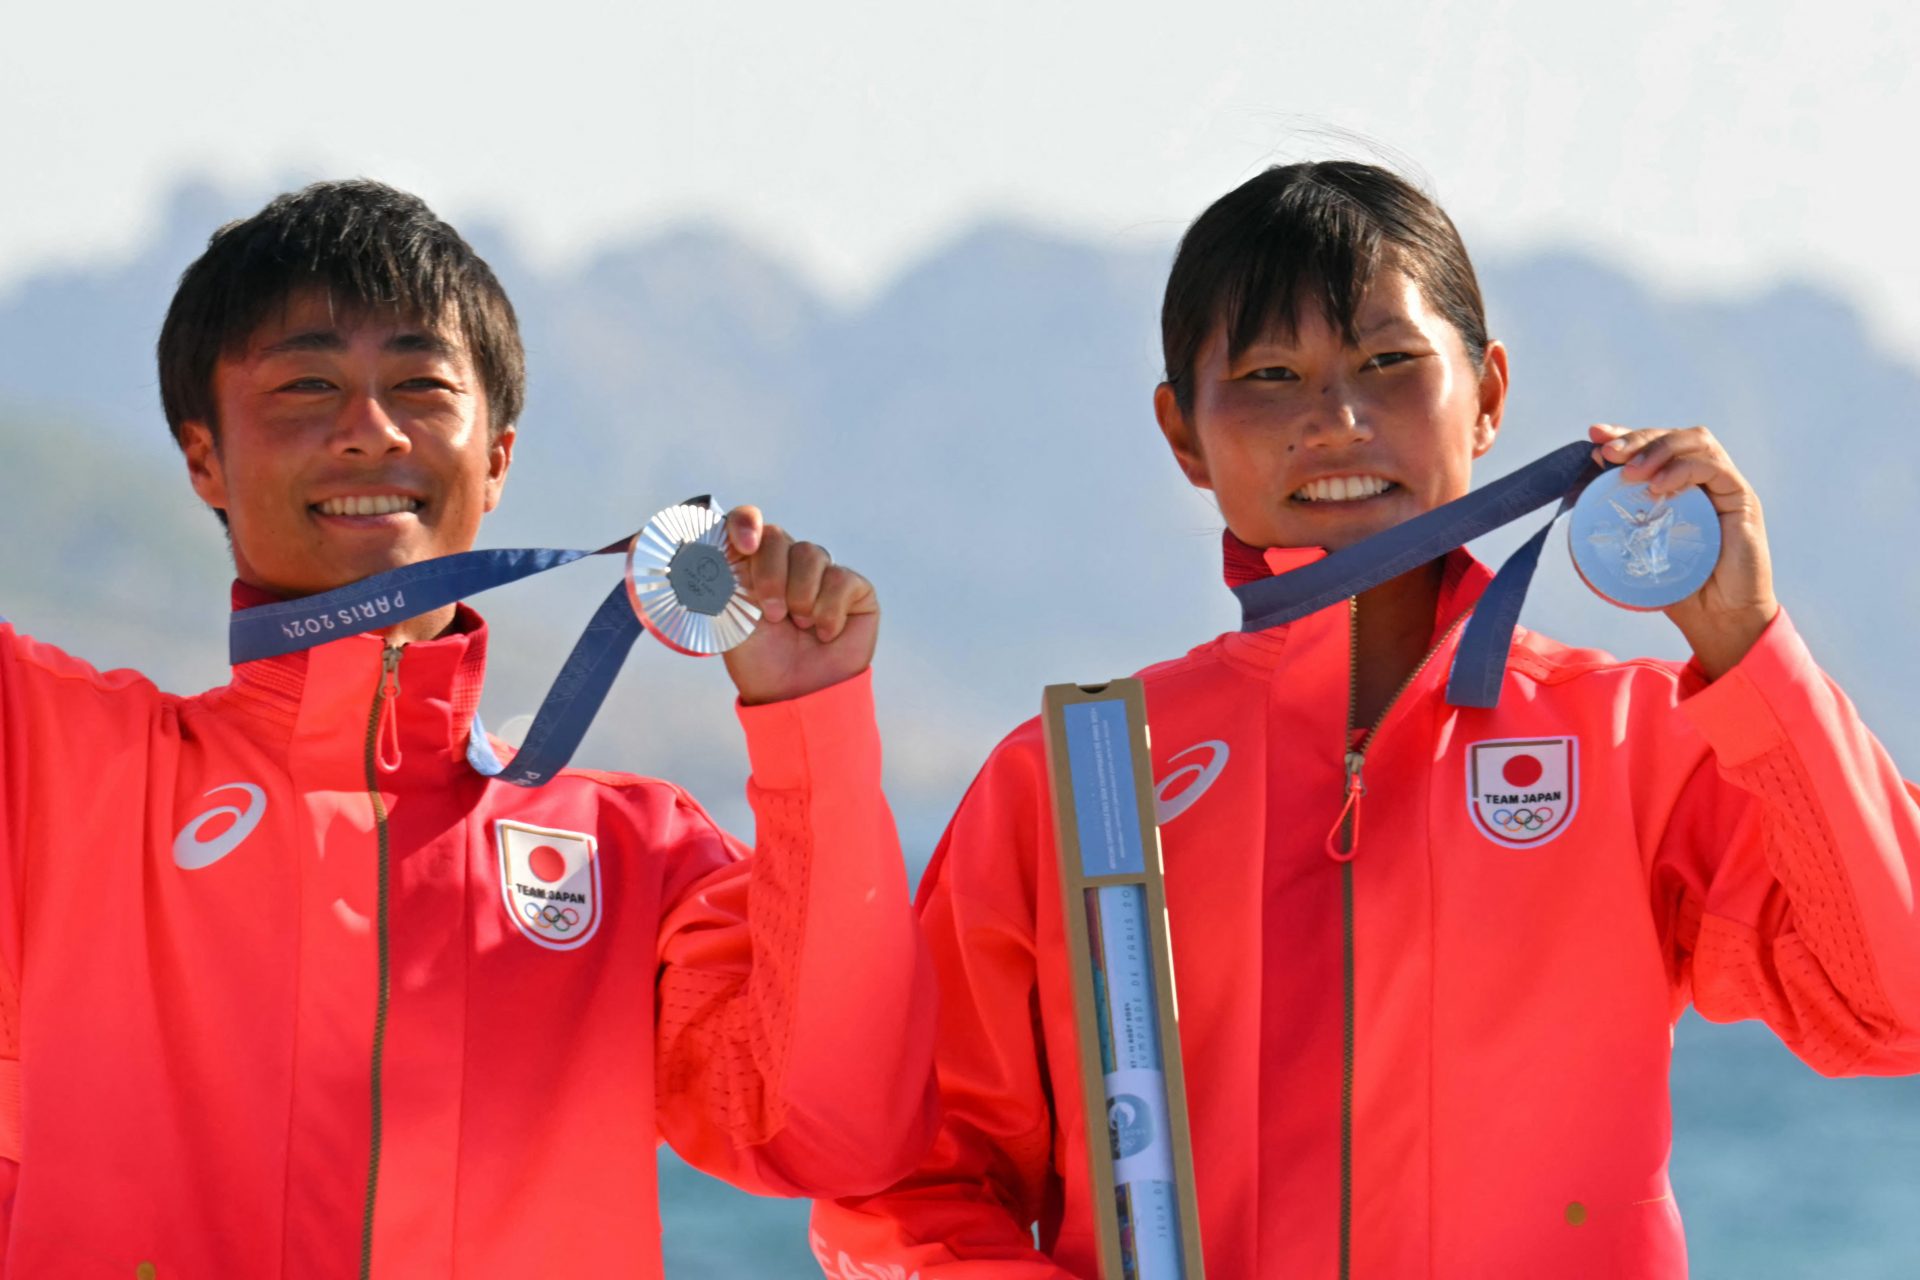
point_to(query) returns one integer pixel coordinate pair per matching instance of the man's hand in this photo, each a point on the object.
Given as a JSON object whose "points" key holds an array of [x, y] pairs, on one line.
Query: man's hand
{"points": [[1726, 616], [818, 620]]}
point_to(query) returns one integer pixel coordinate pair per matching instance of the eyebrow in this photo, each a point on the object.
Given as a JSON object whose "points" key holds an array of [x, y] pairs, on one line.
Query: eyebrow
{"points": [[1274, 338], [330, 340], [1388, 322]]}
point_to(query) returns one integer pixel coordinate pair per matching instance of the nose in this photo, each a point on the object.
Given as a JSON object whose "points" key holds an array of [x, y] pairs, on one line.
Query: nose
{"points": [[367, 428], [1337, 416]]}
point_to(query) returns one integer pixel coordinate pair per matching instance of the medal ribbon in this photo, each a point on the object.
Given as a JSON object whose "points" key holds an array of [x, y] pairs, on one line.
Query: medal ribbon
{"points": [[288, 626], [1481, 660]]}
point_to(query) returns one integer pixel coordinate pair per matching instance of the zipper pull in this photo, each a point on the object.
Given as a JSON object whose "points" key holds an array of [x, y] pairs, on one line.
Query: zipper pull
{"points": [[1349, 819], [389, 712]]}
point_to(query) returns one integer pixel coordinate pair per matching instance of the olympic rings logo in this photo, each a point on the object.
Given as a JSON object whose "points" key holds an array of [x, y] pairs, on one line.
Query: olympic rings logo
{"points": [[544, 915], [1514, 821]]}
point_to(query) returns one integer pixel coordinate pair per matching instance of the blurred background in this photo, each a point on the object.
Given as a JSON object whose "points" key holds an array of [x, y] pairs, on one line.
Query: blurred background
{"points": [[893, 273]]}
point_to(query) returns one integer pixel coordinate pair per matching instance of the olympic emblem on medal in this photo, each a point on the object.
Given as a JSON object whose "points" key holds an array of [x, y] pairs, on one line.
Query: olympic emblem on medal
{"points": [[1523, 792], [549, 883]]}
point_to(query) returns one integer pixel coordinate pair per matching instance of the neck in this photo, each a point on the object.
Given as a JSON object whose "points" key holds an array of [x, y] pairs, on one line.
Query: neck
{"points": [[428, 626], [1395, 631]]}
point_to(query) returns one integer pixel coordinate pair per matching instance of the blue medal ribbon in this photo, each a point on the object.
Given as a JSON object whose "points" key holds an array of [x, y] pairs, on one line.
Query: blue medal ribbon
{"points": [[1481, 660], [288, 626]]}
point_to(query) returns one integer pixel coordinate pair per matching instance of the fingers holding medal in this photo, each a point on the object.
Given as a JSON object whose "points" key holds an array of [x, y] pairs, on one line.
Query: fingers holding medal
{"points": [[789, 620], [1676, 527], [819, 620]]}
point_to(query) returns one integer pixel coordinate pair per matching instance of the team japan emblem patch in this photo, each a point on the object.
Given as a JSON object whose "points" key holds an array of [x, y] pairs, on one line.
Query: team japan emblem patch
{"points": [[1523, 792], [550, 883]]}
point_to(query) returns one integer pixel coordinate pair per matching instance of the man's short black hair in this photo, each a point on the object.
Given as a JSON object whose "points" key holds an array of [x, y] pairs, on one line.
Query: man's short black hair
{"points": [[368, 246], [1310, 232]]}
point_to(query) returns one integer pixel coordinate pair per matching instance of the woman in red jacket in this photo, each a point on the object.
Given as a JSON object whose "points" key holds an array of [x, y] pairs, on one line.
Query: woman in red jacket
{"points": [[1419, 1039]]}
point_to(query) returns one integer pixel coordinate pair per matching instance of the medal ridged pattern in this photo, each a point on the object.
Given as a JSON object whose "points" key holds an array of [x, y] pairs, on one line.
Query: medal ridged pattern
{"points": [[685, 543]]}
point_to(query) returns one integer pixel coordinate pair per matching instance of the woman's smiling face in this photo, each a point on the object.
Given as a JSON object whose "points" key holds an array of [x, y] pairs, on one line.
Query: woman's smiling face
{"points": [[1308, 440]]}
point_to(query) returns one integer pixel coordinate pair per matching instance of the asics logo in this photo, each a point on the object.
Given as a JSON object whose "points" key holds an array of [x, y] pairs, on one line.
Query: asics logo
{"points": [[191, 853], [1174, 794], [846, 1268]]}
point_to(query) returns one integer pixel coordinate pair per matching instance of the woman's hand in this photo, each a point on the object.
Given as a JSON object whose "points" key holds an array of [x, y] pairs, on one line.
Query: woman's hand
{"points": [[1726, 616]]}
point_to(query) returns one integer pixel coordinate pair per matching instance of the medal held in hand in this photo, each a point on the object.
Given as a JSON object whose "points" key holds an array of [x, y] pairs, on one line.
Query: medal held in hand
{"points": [[1642, 552], [682, 583]]}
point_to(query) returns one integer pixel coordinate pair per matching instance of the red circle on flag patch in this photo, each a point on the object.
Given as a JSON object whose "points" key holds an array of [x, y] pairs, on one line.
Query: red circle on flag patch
{"points": [[547, 863], [1521, 771]]}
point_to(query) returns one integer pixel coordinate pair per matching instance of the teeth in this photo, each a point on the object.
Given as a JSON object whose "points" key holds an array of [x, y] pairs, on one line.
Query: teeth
{"points": [[1341, 489], [385, 504]]}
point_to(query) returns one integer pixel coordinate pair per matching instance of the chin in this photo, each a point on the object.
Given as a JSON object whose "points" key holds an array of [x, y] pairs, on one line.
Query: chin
{"points": [[1334, 535], [341, 575]]}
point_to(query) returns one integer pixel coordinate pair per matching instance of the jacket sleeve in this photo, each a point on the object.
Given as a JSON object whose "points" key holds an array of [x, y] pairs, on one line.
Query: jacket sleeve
{"points": [[16, 782], [970, 1208], [794, 1001], [1789, 867], [17, 713]]}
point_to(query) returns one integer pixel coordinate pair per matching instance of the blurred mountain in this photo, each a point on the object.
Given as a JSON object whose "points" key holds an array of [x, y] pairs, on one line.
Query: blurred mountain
{"points": [[78, 342], [108, 551], [978, 437]]}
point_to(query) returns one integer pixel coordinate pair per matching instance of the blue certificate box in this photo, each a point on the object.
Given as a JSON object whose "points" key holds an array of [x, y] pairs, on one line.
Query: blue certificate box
{"points": [[1114, 900], [1106, 809]]}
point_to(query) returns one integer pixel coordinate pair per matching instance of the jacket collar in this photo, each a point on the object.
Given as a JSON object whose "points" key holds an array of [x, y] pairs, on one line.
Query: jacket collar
{"points": [[305, 692], [1462, 582]]}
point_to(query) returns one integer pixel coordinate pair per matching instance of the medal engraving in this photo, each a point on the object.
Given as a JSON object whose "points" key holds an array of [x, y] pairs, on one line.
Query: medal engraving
{"points": [[701, 577], [683, 585], [1642, 552]]}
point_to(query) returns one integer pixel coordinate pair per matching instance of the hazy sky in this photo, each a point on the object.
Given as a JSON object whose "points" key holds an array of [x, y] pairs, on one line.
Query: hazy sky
{"points": [[1710, 145]]}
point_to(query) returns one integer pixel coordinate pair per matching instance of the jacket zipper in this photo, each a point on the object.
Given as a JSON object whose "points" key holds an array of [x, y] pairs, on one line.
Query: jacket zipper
{"points": [[384, 705], [1343, 843]]}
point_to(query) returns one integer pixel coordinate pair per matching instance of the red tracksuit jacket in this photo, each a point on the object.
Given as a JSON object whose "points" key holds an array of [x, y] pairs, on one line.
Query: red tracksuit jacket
{"points": [[1537, 891], [288, 990]]}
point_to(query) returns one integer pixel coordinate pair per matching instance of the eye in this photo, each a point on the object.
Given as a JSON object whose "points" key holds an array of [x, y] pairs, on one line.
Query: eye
{"points": [[312, 382], [426, 382], [1273, 373], [1387, 359]]}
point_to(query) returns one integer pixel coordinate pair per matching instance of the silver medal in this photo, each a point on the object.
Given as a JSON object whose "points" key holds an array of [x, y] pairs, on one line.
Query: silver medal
{"points": [[1642, 552], [683, 584]]}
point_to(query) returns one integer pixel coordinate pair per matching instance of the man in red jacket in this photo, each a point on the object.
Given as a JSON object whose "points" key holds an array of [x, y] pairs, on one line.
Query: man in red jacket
{"points": [[287, 988]]}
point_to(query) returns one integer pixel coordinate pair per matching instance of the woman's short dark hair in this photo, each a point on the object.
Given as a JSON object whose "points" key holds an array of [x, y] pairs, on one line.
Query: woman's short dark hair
{"points": [[1317, 231], [368, 246]]}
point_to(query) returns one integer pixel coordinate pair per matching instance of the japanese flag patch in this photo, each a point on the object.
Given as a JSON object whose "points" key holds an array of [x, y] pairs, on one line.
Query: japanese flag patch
{"points": [[1523, 792], [549, 883]]}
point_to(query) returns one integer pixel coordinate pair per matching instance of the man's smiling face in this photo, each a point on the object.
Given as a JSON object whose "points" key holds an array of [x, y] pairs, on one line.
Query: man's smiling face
{"points": [[347, 443]]}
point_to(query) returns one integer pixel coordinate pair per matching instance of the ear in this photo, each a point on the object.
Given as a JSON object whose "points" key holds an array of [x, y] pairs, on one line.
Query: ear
{"points": [[1493, 398], [499, 459], [1178, 430], [205, 470]]}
